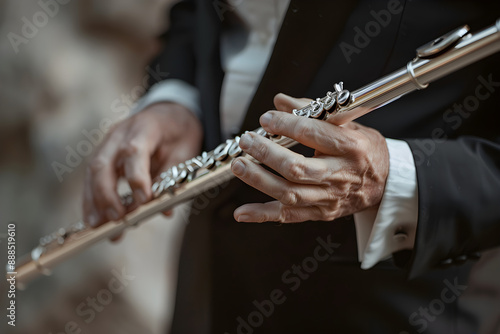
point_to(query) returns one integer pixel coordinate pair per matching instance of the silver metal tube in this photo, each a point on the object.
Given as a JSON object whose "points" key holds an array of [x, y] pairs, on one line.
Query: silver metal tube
{"points": [[467, 50]]}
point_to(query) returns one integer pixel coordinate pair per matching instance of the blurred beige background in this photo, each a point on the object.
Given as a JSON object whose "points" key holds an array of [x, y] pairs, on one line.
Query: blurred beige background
{"points": [[77, 70]]}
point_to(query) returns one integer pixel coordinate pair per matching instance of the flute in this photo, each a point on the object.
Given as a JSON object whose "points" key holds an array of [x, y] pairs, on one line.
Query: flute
{"points": [[185, 181]]}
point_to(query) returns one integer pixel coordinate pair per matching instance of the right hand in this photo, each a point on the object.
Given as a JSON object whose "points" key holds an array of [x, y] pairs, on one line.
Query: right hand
{"points": [[138, 149]]}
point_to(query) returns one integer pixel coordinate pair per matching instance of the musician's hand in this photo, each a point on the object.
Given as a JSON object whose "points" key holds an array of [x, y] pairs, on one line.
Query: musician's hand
{"points": [[346, 175], [138, 149]]}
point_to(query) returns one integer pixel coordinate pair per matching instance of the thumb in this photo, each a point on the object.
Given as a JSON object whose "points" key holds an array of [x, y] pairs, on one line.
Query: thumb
{"points": [[286, 103]]}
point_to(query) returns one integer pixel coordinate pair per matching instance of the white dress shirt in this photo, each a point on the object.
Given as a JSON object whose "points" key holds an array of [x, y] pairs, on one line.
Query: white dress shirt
{"points": [[380, 231]]}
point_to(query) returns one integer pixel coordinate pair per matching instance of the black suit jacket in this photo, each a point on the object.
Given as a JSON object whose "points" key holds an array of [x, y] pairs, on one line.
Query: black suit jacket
{"points": [[228, 269]]}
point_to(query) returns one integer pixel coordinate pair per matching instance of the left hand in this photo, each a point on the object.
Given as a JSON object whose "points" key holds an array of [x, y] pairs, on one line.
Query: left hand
{"points": [[346, 175]]}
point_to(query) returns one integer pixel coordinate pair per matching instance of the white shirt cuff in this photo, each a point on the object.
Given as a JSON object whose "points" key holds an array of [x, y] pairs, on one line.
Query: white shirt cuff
{"points": [[171, 90], [392, 227]]}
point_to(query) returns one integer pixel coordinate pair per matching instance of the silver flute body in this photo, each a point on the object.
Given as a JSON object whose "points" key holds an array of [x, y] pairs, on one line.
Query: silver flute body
{"points": [[185, 181]]}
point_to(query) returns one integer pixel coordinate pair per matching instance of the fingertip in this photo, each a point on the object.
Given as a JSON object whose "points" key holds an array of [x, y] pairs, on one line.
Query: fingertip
{"points": [[116, 238], [241, 215], [140, 196], [243, 219], [237, 213], [92, 219], [266, 118], [279, 99], [246, 141], [167, 213], [287, 103], [112, 214], [238, 167], [136, 169]]}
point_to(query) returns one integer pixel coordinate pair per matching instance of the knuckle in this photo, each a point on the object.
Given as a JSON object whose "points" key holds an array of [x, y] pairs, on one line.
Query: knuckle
{"points": [[295, 169], [288, 215], [277, 124], [363, 147], [331, 194], [364, 144], [352, 126], [284, 215], [290, 198], [321, 171], [304, 130], [347, 145], [136, 181], [326, 213], [131, 149], [263, 218], [261, 151], [358, 147], [97, 164]]}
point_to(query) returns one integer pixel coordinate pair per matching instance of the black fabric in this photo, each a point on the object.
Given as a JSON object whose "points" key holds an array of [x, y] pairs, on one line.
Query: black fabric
{"points": [[225, 266], [178, 59], [297, 54], [469, 217], [209, 72]]}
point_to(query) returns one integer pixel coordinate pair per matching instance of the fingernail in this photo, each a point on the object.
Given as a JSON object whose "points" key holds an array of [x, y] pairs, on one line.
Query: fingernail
{"points": [[243, 218], [246, 141], [238, 167], [266, 119], [140, 196], [112, 214], [92, 219]]}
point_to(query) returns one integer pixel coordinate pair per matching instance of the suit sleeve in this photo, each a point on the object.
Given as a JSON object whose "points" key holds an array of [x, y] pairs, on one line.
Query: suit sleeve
{"points": [[459, 200]]}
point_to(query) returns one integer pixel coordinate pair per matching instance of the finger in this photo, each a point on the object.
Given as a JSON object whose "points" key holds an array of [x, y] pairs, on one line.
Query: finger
{"points": [[276, 212], [136, 165], [103, 184], [322, 136], [160, 160], [106, 199], [286, 103], [90, 215], [167, 156], [291, 165], [167, 213], [116, 238], [352, 126], [283, 190]]}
